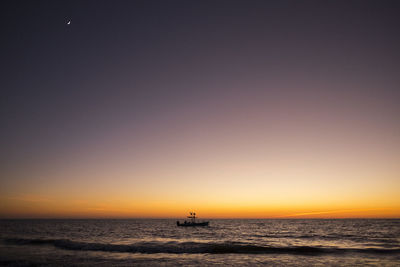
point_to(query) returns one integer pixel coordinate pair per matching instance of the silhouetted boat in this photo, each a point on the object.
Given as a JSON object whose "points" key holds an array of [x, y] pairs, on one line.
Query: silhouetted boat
{"points": [[192, 221]]}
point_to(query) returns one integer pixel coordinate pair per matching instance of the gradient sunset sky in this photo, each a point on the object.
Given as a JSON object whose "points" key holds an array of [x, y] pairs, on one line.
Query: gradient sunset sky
{"points": [[253, 109]]}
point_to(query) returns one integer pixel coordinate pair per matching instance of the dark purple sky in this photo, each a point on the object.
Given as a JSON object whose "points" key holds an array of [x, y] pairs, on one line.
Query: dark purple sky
{"points": [[147, 74]]}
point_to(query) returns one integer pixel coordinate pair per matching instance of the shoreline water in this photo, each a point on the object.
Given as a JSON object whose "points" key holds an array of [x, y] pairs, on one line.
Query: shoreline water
{"points": [[289, 242]]}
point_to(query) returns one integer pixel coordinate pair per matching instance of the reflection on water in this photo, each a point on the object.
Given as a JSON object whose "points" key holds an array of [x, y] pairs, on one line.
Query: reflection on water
{"points": [[232, 242]]}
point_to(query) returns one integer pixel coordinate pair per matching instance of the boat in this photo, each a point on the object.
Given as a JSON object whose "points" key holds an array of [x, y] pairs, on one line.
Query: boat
{"points": [[192, 221]]}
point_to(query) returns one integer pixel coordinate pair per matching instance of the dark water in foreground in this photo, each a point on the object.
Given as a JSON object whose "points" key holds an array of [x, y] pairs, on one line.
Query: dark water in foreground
{"points": [[225, 242]]}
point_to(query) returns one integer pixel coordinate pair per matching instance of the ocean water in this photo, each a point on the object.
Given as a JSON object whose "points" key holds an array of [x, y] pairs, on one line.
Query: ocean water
{"points": [[153, 242]]}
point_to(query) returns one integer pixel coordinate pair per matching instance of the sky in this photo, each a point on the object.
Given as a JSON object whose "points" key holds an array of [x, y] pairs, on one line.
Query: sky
{"points": [[233, 109]]}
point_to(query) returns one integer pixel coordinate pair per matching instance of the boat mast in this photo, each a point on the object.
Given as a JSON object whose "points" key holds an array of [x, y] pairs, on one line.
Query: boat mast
{"points": [[192, 216]]}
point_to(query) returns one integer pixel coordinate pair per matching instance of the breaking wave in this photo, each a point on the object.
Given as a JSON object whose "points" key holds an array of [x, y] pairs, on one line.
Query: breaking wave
{"points": [[174, 247]]}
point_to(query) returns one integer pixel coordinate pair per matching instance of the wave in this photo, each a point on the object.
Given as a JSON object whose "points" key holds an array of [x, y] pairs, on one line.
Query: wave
{"points": [[310, 236], [174, 247]]}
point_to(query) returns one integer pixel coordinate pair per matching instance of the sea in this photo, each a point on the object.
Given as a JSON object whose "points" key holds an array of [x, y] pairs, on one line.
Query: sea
{"points": [[225, 242]]}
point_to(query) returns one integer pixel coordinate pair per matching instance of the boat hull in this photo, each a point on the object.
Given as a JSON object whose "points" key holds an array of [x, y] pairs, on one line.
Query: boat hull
{"points": [[190, 224]]}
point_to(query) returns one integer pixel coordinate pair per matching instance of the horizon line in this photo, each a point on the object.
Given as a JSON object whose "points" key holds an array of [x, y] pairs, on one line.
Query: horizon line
{"points": [[208, 218]]}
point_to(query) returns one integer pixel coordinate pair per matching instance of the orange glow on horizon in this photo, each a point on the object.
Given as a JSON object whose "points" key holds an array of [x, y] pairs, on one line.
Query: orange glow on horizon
{"points": [[40, 207], [245, 160]]}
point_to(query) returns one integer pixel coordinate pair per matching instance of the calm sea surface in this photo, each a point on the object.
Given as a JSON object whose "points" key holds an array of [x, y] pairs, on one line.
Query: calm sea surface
{"points": [[225, 242]]}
